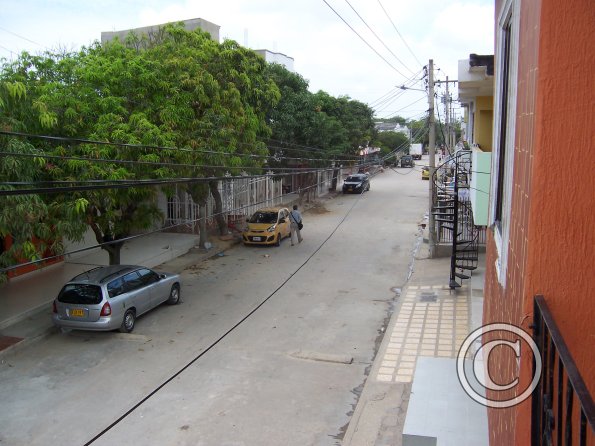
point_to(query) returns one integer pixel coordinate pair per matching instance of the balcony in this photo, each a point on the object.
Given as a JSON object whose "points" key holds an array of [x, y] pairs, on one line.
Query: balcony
{"points": [[562, 410]]}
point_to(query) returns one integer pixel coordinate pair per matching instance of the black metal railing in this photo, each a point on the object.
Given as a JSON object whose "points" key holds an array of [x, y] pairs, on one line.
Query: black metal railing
{"points": [[562, 410], [453, 213]]}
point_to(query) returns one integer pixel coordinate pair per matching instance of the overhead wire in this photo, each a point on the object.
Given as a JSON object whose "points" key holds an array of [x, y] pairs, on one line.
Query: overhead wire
{"points": [[23, 37], [165, 228], [364, 40], [155, 147], [378, 38], [402, 38]]}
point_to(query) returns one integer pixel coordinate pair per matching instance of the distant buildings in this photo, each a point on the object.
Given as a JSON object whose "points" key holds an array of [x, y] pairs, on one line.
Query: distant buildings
{"points": [[392, 127], [279, 58], [153, 30]]}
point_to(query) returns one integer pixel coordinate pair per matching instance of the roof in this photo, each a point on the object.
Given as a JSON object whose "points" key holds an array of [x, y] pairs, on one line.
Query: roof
{"points": [[101, 273]]}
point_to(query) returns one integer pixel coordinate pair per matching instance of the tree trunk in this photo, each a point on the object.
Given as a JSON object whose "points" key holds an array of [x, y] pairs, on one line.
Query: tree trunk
{"points": [[202, 225], [200, 194], [219, 217], [113, 249], [336, 173], [114, 252]]}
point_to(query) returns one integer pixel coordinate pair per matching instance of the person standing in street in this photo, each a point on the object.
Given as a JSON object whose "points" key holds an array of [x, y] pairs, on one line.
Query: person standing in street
{"points": [[295, 225]]}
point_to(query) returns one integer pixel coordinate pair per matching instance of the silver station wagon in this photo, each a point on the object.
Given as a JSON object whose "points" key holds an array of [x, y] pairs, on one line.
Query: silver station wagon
{"points": [[112, 297]]}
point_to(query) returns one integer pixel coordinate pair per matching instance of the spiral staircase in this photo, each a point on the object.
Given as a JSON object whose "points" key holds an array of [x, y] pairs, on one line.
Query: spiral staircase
{"points": [[454, 217]]}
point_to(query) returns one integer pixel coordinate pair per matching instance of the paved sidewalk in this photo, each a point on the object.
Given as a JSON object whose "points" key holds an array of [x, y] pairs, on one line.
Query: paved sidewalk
{"points": [[430, 321]]}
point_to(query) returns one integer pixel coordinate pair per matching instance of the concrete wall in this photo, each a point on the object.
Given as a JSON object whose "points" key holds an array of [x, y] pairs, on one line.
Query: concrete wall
{"points": [[484, 107], [551, 238], [480, 186]]}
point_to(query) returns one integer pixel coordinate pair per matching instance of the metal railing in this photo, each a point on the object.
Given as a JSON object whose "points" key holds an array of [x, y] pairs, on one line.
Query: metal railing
{"points": [[562, 410]]}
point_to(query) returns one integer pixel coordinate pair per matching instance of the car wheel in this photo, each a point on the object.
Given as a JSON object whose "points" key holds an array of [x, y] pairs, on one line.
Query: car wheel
{"points": [[278, 241], [128, 321], [174, 295]]}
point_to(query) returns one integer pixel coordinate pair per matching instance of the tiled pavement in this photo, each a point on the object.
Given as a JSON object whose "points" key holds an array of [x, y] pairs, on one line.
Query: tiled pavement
{"points": [[432, 321]]}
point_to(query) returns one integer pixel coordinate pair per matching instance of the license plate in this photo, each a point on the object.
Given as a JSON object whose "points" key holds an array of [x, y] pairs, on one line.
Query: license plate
{"points": [[257, 239], [351, 188], [77, 313]]}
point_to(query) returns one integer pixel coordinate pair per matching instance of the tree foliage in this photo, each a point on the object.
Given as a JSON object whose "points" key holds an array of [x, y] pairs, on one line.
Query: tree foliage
{"points": [[176, 105]]}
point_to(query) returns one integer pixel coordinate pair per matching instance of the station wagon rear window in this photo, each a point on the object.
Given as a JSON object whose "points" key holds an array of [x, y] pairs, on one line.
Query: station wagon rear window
{"points": [[82, 294]]}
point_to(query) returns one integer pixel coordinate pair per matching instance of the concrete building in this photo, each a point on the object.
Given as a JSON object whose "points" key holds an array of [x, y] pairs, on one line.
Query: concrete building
{"points": [[150, 31], [476, 94], [280, 58], [539, 253]]}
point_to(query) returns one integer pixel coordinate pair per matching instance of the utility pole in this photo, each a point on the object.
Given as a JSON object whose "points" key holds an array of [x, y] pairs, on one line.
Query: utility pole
{"points": [[447, 123], [432, 153]]}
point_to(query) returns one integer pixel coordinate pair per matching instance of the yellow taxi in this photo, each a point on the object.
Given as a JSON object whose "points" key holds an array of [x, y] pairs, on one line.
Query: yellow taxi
{"points": [[267, 226], [425, 173]]}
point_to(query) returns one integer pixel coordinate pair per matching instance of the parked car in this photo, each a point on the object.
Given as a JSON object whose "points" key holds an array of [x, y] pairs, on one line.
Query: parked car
{"points": [[267, 226], [425, 173], [407, 161], [357, 183], [112, 297]]}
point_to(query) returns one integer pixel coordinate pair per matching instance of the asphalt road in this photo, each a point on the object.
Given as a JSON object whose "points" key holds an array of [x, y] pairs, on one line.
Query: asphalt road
{"points": [[288, 374]]}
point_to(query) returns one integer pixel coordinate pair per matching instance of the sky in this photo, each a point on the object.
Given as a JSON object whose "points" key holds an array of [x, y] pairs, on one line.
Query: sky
{"points": [[398, 37]]}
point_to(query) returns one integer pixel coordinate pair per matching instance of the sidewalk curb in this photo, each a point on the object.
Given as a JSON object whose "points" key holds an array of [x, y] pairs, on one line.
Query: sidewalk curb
{"points": [[27, 342]]}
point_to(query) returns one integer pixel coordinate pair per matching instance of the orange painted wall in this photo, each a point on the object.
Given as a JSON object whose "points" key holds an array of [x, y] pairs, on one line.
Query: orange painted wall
{"points": [[553, 212], [561, 260]]}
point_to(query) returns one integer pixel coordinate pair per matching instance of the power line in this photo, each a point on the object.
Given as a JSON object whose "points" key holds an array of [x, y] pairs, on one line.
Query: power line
{"points": [[144, 146], [395, 27], [379, 39], [24, 38], [123, 184], [166, 228], [363, 40]]}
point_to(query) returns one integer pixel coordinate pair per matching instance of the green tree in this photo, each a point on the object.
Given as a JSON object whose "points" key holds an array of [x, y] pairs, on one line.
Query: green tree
{"points": [[390, 141], [35, 224], [183, 90]]}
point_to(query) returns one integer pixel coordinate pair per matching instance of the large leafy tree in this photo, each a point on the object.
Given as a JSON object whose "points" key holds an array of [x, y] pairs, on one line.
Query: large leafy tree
{"points": [[31, 226], [334, 126], [220, 93], [183, 90]]}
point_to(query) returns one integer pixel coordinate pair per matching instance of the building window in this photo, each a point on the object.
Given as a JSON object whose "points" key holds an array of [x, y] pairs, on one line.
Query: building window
{"points": [[504, 124]]}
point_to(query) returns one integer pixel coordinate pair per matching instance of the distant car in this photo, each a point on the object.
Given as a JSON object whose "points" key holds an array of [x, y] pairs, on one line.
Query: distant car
{"points": [[407, 161], [425, 173], [267, 226], [357, 183], [112, 297]]}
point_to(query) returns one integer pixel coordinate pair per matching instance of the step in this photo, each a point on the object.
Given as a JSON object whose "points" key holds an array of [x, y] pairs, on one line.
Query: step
{"points": [[444, 207], [469, 267], [454, 284], [462, 276], [468, 259], [448, 220]]}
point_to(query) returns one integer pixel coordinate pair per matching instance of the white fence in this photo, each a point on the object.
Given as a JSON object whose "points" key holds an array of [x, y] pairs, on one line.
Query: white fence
{"points": [[240, 197]]}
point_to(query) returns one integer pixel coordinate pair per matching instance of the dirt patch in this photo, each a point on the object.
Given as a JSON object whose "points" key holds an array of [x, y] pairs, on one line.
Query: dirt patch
{"points": [[317, 208]]}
